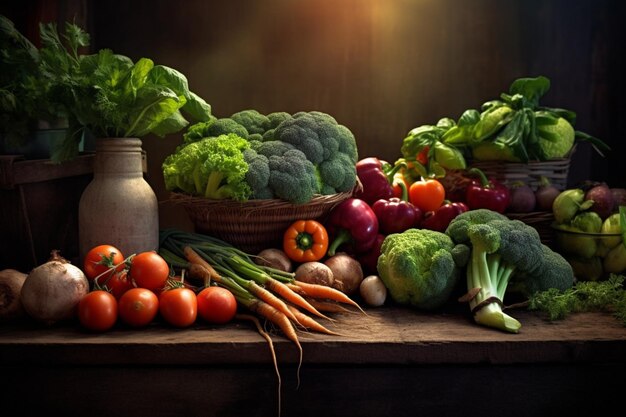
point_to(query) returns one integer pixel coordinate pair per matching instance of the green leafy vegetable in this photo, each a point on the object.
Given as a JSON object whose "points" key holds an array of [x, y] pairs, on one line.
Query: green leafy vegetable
{"points": [[111, 96], [608, 296], [25, 98], [440, 155]]}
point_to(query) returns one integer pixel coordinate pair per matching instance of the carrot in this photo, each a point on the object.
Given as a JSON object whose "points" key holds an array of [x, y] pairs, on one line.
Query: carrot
{"points": [[193, 258], [201, 272], [281, 320], [309, 323], [289, 295], [323, 291], [328, 306], [271, 299], [271, 345]]}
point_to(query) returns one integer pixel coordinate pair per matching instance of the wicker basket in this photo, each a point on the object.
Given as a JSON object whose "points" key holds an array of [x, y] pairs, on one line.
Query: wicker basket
{"points": [[556, 170], [256, 224], [540, 220], [530, 173]]}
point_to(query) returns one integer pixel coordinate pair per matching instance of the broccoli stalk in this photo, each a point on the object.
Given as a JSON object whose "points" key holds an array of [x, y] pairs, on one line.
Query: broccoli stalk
{"points": [[214, 187], [501, 250], [488, 276]]}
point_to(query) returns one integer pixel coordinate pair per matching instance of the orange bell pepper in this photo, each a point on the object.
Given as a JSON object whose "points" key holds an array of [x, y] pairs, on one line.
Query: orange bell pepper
{"points": [[305, 241]]}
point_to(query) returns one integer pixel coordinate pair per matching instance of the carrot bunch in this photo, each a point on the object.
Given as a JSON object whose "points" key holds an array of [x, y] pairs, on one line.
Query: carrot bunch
{"points": [[267, 293], [272, 294]]}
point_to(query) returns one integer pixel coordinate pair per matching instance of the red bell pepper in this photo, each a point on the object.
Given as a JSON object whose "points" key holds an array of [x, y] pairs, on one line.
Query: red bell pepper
{"points": [[486, 193], [352, 222], [376, 180], [439, 219], [396, 215], [369, 259]]}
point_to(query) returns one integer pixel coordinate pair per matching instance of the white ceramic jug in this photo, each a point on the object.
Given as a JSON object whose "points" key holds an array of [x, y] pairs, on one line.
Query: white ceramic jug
{"points": [[118, 207]]}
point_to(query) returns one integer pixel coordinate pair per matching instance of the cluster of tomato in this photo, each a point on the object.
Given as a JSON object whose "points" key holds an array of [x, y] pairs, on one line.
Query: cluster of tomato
{"points": [[137, 289]]}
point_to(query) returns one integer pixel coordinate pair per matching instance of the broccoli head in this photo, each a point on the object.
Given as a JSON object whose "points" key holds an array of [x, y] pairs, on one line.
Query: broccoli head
{"points": [[337, 174], [292, 177], [558, 275], [258, 174], [418, 267], [252, 120], [322, 140], [225, 126], [272, 148], [211, 167], [278, 170], [197, 131], [277, 118], [213, 128], [500, 249]]}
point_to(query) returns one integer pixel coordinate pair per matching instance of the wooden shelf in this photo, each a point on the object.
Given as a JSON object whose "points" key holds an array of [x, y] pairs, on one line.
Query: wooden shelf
{"points": [[15, 171]]}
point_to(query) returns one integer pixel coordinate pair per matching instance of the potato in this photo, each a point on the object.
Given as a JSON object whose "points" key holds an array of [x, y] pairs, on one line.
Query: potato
{"points": [[315, 273], [347, 272], [274, 258]]}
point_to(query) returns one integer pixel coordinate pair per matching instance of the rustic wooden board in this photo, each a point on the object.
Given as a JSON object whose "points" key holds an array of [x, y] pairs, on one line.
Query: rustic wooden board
{"points": [[394, 361], [386, 336]]}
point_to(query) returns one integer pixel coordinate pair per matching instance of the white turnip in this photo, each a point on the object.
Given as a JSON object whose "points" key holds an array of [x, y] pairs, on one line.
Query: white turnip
{"points": [[315, 273], [11, 282], [347, 272], [51, 291]]}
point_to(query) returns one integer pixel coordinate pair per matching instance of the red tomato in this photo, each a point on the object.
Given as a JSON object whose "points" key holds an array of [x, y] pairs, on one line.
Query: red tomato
{"points": [[216, 305], [427, 195], [97, 311], [119, 283], [179, 306], [101, 258], [138, 307], [149, 270]]}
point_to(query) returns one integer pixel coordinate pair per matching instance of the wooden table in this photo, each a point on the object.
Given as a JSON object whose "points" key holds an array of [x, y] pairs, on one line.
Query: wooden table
{"points": [[392, 362]]}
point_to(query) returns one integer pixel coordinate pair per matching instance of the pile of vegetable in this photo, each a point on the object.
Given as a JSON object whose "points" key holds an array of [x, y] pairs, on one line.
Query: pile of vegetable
{"points": [[515, 128], [256, 156], [421, 268], [590, 226]]}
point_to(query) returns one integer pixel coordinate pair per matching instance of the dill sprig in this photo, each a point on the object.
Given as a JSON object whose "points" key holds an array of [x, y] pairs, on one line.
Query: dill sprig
{"points": [[608, 296]]}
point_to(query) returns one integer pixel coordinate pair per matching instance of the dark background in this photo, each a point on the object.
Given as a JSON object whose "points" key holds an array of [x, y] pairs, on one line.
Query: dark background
{"points": [[380, 67]]}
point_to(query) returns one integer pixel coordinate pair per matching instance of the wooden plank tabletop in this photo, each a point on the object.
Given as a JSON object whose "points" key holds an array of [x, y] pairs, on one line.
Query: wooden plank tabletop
{"points": [[387, 335]]}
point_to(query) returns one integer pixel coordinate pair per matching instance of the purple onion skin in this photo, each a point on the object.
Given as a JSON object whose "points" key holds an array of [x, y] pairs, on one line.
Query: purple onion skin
{"points": [[602, 200], [545, 196], [523, 199], [619, 198]]}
